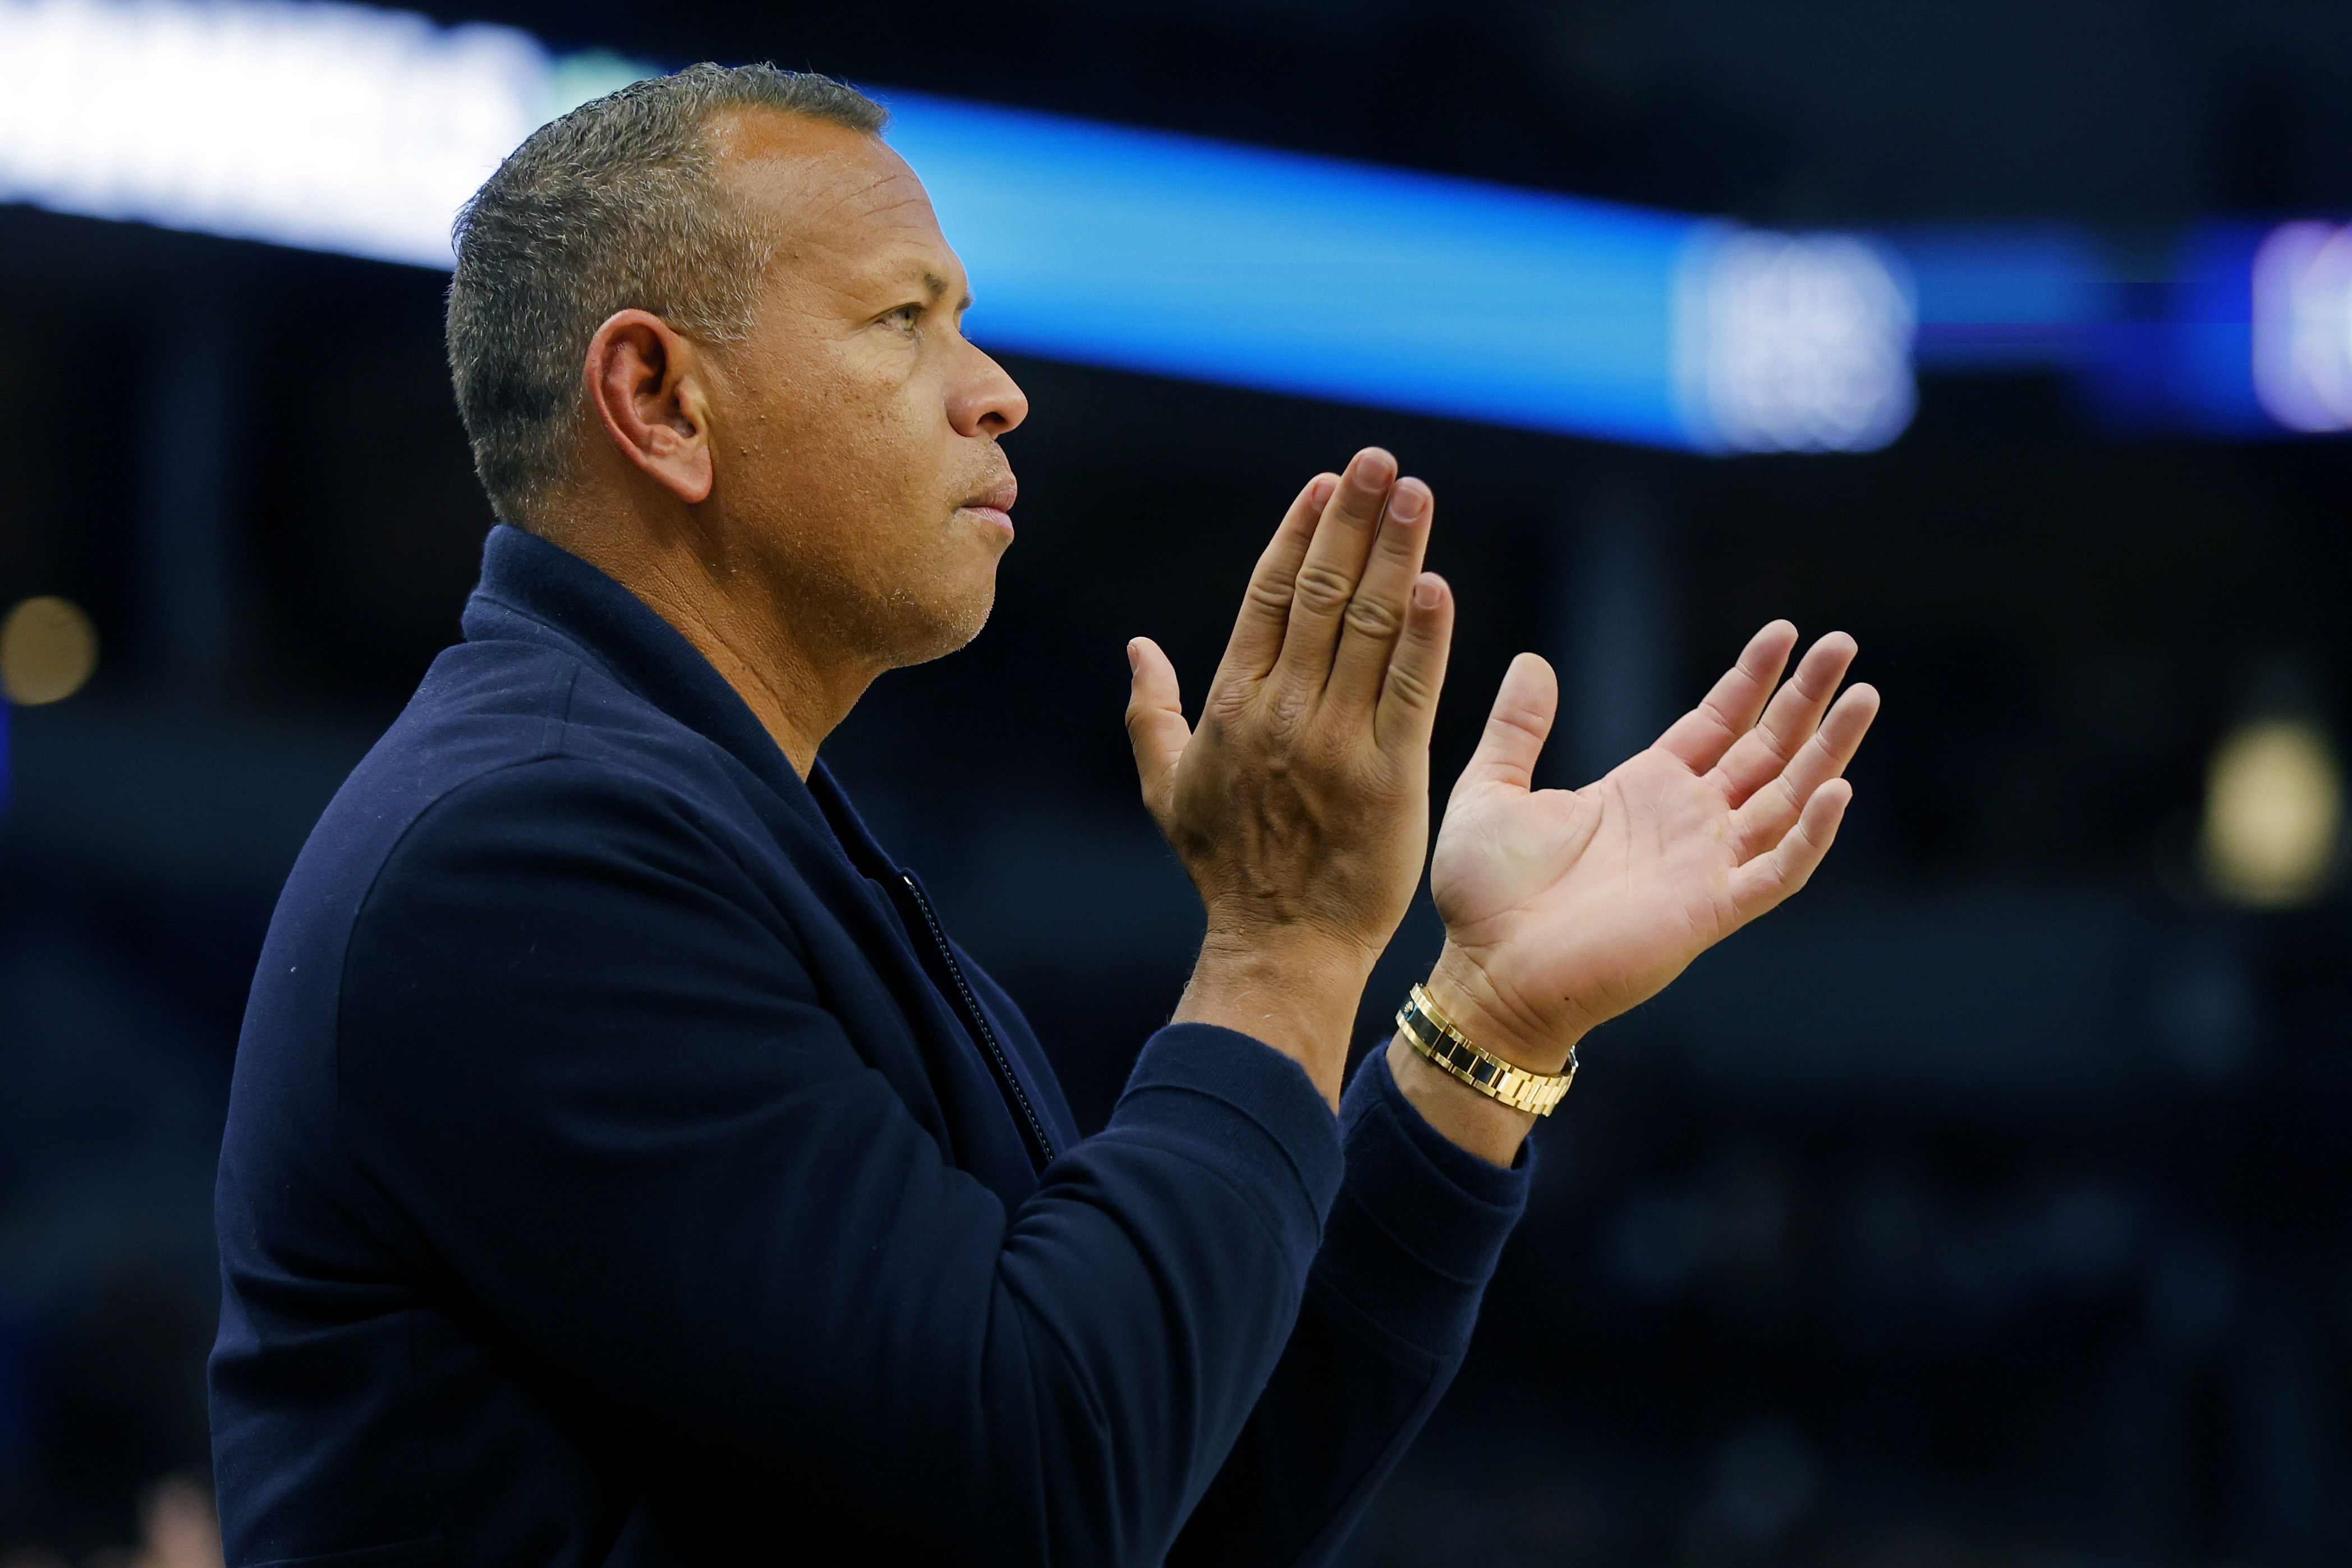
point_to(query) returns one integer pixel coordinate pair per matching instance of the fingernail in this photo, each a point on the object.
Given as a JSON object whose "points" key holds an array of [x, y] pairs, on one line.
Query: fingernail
{"points": [[1410, 499], [1426, 592], [1318, 494], [1369, 470], [1134, 656]]}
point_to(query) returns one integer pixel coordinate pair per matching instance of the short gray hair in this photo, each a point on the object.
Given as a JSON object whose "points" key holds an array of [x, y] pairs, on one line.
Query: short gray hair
{"points": [[615, 205]]}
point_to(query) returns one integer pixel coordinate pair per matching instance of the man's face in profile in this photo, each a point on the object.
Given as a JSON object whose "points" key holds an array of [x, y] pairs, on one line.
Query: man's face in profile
{"points": [[854, 432]]}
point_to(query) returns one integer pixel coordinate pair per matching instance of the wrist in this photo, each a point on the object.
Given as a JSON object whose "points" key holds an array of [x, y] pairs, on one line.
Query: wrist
{"points": [[1478, 1123], [1296, 992], [1463, 994]]}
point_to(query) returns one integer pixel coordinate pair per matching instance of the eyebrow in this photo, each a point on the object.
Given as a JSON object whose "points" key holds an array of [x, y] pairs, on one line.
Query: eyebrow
{"points": [[937, 287]]}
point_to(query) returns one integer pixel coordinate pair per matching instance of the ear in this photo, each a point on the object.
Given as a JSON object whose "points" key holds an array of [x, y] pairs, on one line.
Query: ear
{"points": [[646, 390]]}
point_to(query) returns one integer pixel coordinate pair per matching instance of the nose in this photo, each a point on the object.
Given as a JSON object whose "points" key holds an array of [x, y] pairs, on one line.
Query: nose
{"points": [[983, 400]]}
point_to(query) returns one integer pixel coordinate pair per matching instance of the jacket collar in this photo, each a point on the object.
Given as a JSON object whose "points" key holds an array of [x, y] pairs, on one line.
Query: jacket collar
{"points": [[540, 593]]}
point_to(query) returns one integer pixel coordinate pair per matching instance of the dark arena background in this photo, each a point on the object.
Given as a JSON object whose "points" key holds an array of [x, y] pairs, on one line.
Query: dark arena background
{"points": [[1984, 1208]]}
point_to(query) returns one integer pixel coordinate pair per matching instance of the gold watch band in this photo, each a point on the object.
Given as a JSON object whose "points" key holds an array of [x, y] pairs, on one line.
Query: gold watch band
{"points": [[1433, 1034]]}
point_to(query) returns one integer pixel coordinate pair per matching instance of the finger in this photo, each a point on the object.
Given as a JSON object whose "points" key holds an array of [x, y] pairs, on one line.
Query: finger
{"points": [[1790, 719], [1376, 615], [1765, 880], [1155, 724], [1515, 728], [1772, 810], [1265, 606], [1702, 736], [1407, 704], [1327, 576]]}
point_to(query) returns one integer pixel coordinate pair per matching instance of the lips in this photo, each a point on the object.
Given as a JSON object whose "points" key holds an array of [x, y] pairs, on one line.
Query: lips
{"points": [[997, 498], [994, 505]]}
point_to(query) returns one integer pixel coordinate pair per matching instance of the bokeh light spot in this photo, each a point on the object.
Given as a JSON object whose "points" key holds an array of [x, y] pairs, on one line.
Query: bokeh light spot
{"points": [[2273, 809], [47, 650]]}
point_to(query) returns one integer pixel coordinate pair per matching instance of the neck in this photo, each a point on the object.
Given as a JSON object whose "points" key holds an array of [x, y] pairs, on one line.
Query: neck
{"points": [[798, 688]]}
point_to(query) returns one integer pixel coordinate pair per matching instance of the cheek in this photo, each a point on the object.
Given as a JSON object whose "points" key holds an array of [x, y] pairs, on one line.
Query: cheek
{"points": [[846, 472], [866, 444], [814, 462]]}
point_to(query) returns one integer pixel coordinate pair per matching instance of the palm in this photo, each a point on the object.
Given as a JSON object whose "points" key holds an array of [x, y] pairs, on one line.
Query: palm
{"points": [[1602, 892], [1574, 905]]}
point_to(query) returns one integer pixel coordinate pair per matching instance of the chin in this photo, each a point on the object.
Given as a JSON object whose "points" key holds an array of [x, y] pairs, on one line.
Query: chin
{"points": [[950, 628]]}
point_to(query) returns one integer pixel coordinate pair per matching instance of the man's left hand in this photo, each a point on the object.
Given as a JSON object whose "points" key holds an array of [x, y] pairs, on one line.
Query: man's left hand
{"points": [[1564, 908]]}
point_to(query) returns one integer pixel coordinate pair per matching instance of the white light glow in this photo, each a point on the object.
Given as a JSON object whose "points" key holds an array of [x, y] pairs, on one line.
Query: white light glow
{"points": [[2302, 326], [2274, 812], [342, 128], [325, 125], [1793, 343]]}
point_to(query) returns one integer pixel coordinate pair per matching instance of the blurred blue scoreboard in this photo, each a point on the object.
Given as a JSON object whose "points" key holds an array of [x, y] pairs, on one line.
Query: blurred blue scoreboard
{"points": [[350, 128]]}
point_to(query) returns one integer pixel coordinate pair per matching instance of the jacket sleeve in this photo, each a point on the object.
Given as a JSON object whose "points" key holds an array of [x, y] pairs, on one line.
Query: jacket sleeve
{"points": [[583, 1062], [1390, 1302]]}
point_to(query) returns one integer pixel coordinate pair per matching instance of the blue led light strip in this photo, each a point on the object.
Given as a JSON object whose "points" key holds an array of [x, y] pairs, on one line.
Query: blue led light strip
{"points": [[348, 128], [1160, 253]]}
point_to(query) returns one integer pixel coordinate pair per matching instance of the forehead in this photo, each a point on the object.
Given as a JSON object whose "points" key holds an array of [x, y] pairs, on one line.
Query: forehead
{"points": [[847, 209]]}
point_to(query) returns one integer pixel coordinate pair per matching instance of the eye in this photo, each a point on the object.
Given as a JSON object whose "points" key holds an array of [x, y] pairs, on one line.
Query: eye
{"points": [[906, 317]]}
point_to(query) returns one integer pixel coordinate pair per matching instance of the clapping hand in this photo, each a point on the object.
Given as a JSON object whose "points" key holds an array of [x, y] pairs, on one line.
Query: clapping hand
{"points": [[1299, 802], [1564, 908]]}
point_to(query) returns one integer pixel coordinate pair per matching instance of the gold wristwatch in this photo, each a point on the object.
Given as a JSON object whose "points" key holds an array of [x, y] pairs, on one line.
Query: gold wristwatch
{"points": [[1433, 1034]]}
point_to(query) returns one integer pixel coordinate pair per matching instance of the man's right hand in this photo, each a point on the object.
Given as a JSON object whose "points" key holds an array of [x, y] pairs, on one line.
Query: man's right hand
{"points": [[1299, 805]]}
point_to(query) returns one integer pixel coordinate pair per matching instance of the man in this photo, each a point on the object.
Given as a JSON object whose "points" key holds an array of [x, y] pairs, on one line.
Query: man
{"points": [[624, 1166]]}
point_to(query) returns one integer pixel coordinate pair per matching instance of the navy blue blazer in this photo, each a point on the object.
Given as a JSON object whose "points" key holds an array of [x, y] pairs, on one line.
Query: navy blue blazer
{"points": [[623, 1167]]}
